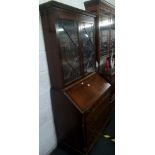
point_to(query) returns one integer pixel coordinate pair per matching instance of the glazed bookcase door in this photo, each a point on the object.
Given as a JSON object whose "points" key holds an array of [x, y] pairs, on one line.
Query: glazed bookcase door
{"points": [[88, 46], [104, 32], [112, 34], [112, 44], [69, 44]]}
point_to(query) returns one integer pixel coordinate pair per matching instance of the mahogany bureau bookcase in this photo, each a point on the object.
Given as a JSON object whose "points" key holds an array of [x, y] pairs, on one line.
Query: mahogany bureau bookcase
{"points": [[80, 96]]}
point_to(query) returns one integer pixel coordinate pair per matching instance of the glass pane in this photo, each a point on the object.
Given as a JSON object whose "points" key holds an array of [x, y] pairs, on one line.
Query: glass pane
{"points": [[113, 22], [112, 48], [87, 35], [104, 25], [113, 35], [67, 31], [104, 42], [112, 45]]}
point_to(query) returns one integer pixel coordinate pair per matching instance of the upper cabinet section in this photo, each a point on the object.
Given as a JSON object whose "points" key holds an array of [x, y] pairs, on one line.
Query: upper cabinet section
{"points": [[69, 35]]}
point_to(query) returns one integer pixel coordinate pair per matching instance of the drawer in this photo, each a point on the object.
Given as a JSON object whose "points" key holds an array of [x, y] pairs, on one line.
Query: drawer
{"points": [[99, 119], [97, 110], [91, 137], [93, 129], [96, 118]]}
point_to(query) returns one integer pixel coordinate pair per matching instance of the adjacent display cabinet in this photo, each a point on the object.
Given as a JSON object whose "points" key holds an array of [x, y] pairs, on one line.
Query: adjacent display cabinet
{"points": [[105, 36], [80, 96]]}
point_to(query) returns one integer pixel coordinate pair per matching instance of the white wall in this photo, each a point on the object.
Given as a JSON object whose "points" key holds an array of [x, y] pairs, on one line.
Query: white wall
{"points": [[47, 137], [75, 3]]}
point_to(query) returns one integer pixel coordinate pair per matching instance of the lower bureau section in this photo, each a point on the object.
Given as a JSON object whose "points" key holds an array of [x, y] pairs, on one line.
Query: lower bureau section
{"points": [[81, 111]]}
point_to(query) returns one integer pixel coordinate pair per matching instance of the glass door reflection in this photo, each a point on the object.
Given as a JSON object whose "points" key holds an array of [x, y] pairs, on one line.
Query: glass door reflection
{"points": [[68, 37], [87, 36]]}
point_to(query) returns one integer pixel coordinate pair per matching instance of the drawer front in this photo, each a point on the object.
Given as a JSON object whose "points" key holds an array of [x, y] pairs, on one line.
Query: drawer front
{"points": [[97, 110], [96, 118]]}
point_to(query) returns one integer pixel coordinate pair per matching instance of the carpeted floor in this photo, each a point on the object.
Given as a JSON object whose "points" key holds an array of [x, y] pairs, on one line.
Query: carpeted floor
{"points": [[105, 144]]}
